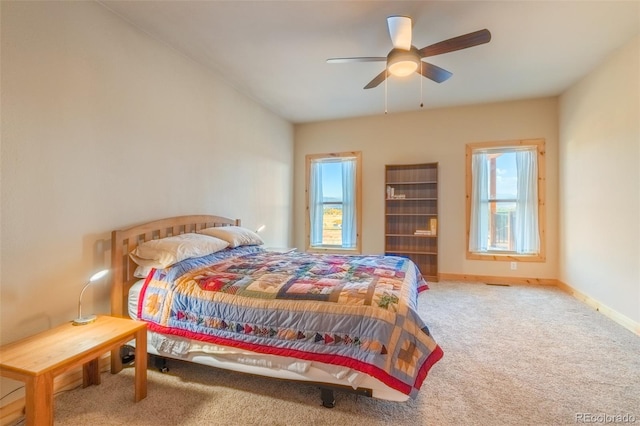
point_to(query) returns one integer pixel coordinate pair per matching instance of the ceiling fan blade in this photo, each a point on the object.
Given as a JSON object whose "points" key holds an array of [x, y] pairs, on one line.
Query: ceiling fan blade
{"points": [[433, 72], [377, 80], [360, 59], [456, 43], [400, 31]]}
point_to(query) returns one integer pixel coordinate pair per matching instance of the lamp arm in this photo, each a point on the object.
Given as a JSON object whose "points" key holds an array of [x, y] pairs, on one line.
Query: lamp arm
{"points": [[80, 299]]}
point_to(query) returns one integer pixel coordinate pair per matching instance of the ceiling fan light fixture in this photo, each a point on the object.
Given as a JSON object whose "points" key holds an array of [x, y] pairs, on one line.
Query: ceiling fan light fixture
{"points": [[404, 59], [402, 63]]}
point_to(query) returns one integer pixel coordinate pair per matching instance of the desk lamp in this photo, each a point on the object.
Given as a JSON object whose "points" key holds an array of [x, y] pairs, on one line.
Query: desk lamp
{"points": [[90, 318]]}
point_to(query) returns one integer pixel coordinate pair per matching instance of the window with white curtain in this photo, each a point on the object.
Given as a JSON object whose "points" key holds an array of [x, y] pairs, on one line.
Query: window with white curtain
{"points": [[505, 200], [333, 202]]}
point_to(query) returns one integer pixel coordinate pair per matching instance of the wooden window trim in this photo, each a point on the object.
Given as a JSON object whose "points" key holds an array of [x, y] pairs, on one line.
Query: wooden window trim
{"points": [[509, 256], [333, 249]]}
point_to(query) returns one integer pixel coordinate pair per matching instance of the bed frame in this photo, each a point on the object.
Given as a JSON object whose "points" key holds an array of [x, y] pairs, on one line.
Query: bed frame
{"points": [[124, 241], [122, 267]]}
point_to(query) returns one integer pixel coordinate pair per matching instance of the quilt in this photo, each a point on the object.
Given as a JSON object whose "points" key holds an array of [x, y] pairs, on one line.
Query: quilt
{"points": [[354, 311]]}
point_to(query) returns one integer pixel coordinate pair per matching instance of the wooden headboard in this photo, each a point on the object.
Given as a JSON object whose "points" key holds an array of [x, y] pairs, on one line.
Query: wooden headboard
{"points": [[125, 240]]}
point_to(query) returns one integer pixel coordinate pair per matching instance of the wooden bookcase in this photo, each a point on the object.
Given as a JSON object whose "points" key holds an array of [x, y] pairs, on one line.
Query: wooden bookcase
{"points": [[411, 215]]}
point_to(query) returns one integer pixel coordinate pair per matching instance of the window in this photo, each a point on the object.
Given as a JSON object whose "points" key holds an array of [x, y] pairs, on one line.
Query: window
{"points": [[505, 200], [333, 202]]}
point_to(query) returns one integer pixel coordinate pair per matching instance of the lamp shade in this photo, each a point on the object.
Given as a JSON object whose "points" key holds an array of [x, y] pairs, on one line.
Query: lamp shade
{"points": [[98, 275]]}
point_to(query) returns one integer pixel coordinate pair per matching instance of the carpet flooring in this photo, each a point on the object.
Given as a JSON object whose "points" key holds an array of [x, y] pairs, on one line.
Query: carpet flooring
{"points": [[513, 355]]}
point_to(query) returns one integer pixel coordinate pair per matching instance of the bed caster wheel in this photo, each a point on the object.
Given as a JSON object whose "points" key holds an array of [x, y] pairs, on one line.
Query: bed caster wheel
{"points": [[328, 404], [127, 354], [161, 364], [328, 400]]}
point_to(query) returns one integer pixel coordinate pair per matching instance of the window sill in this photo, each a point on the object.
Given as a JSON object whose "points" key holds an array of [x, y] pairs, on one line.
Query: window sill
{"points": [[333, 250], [507, 257]]}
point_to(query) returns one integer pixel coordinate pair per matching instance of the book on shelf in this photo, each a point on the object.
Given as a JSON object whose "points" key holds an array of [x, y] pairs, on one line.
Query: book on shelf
{"points": [[433, 225], [391, 194], [422, 232]]}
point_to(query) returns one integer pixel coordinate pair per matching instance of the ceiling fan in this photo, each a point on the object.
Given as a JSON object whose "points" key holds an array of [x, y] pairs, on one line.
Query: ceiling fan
{"points": [[405, 58]]}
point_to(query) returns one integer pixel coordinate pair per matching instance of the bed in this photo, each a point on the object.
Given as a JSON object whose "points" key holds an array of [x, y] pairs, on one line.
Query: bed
{"points": [[340, 322]]}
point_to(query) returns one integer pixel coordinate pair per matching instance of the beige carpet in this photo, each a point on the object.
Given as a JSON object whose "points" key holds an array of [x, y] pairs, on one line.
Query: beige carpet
{"points": [[518, 355]]}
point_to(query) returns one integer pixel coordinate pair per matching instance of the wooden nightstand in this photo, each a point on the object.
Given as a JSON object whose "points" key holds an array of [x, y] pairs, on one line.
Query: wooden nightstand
{"points": [[36, 360]]}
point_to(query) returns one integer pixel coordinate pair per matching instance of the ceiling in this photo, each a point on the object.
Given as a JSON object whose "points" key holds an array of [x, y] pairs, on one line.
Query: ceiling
{"points": [[275, 51]]}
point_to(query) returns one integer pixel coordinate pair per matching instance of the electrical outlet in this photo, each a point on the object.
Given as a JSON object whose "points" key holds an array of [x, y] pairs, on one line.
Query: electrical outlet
{"points": [[514, 266]]}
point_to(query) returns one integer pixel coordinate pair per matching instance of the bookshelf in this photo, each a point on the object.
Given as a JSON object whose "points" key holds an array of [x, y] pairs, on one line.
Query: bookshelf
{"points": [[411, 215]]}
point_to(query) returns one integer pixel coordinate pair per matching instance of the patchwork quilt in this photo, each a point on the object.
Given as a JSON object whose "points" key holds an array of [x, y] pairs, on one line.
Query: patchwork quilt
{"points": [[354, 311]]}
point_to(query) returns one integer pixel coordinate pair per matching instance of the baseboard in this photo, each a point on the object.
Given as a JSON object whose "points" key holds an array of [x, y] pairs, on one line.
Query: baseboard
{"points": [[614, 315], [497, 280], [13, 411]]}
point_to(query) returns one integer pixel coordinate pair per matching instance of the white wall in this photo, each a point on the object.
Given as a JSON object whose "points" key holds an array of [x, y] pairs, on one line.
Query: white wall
{"points": [[104, 127], [438, 135], [600, 183]]}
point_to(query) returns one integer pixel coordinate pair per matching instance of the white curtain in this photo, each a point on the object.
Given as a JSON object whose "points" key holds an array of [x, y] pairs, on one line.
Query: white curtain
{"points": [[526, 236], [316, 208], [479, 227], [349, 203]]}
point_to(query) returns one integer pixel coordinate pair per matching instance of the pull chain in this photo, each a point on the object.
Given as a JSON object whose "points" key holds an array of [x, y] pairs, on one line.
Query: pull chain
{"points": [[421, 103], [386, 77]]}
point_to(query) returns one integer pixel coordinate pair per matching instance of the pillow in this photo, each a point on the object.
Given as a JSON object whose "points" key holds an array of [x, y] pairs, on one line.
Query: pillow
{"points": [[142, 271], [167, 251], [235, 235]]}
